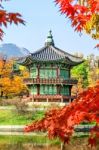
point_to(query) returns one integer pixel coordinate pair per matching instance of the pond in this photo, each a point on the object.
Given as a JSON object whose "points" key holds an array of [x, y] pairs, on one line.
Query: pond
{"points": [[28, 143], [27, 146], [41, 143]]}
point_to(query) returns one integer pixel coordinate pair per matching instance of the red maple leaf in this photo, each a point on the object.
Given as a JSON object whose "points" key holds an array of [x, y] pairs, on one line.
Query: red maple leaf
{"points": [[61, 122]]}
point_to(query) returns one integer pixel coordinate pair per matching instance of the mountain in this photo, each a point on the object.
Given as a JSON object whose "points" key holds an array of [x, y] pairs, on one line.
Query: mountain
{"points": [[11, 50]]}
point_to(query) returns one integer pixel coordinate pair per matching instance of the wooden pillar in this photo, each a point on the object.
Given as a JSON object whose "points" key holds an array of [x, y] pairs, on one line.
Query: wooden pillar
{"points": [[33, 98], [58, 72], [60, 86], [47, 100], [69, 73], [70, 100], [61, 100], [38, 72], [58, 89], [38, 89], [70, 87]]}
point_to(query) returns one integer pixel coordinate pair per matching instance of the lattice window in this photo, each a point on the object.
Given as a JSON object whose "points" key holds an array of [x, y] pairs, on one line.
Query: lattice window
{"points": [[54, 90], [65, 90], [48, 89], [42, 73], [47, 73], [54, 74], [33, 89], [64, 74], [33, 73], [42, 89]]}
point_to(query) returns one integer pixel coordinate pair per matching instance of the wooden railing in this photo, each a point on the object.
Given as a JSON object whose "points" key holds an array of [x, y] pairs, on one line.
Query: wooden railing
{"points": [[52, 98], [50, 81]]}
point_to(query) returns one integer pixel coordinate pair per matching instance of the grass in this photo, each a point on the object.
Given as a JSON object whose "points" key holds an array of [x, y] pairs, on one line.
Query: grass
{"points": [[11, 117]]}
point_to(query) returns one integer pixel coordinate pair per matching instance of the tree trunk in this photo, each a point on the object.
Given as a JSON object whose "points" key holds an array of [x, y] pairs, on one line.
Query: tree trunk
{"points": [[62, 146]]}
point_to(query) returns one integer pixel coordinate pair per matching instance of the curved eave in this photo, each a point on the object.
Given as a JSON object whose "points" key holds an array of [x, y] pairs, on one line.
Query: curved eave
{"points": [[69, 56], [72, 63], [26, 61], [76, 63], [29, 60]]}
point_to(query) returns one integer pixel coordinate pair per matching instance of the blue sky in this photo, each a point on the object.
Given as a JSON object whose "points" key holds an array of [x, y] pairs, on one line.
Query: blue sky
{"points": [[41, 16]]}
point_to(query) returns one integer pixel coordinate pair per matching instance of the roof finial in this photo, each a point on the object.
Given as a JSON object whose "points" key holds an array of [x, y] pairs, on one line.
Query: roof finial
{"points": [[49, 40]]}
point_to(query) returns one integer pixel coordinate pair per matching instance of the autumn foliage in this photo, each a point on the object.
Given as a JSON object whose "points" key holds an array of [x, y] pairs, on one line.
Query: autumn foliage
{"points": [[79, 12], [11, 84], [83, 14], [8, 18], [61, 122]]}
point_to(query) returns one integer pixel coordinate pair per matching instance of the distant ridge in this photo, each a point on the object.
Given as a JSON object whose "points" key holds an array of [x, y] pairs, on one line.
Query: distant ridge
{"points": [[13, 51]]}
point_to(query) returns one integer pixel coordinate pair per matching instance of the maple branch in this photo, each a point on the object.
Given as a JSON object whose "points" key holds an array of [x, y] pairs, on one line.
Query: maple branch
{"points": [[8, 18]]}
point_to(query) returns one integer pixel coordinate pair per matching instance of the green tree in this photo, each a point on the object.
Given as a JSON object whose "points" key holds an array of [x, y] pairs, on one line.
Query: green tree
{"points": [[81, 73]]}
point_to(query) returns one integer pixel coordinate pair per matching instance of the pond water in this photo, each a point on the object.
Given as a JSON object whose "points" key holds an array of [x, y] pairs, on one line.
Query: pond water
{"points": [[31, 146], [28, 143], [27, 146], [38, 143]]}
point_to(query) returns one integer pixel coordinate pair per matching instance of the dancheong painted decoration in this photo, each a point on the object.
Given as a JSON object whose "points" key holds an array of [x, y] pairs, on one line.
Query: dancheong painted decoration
{"points": [[49, 69]]}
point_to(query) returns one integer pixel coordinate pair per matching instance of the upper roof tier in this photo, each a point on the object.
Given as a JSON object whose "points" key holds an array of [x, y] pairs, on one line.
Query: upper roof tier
{"points": [[50, 53]]}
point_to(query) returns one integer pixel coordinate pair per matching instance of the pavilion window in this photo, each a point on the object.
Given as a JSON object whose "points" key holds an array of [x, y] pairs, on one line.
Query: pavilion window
{"points": [[42, 73], [33, 73], [33, 89], [48, 89], [42, 89], [47, 73], [64, 73], [65, 90], [54, 74], [54, 90]]}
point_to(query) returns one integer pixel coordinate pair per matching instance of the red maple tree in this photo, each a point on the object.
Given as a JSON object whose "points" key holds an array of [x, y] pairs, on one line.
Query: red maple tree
{"points": [[61, 122], [83, 14], [8, 18], [79, 12]]}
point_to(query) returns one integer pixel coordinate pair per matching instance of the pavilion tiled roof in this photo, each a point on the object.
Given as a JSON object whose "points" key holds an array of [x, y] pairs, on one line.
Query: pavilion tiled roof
{"points": [[51, 53]]}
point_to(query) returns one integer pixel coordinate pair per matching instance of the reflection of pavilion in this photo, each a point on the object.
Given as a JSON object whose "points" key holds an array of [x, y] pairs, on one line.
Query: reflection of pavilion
{"points": [[49, 70]]}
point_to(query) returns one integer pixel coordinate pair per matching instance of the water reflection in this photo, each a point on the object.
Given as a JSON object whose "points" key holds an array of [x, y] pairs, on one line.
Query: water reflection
{"points": [[27, 146], [75, 144]]}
